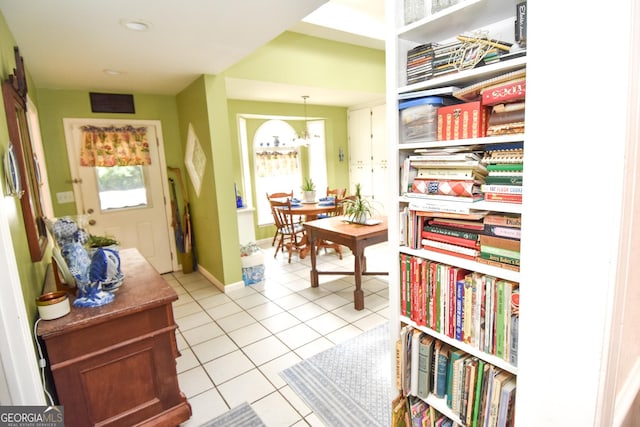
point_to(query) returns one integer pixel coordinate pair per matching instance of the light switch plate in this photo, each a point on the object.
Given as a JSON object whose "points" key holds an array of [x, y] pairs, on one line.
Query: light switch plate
{"points": [[65, 197]]}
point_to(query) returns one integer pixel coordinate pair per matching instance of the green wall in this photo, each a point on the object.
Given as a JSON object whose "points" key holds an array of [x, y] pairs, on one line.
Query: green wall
{"points": [[336, 138], [31, 274], [55, 105], [203, 105]]}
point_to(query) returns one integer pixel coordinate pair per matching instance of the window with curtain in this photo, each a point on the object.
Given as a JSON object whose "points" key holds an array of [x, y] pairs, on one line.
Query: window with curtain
{"points": [[114, 146], [118, 155], [276, 164]]}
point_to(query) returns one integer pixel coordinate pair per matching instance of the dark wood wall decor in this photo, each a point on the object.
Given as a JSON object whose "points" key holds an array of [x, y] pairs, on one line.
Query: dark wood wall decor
{"points": [[14, 94]]}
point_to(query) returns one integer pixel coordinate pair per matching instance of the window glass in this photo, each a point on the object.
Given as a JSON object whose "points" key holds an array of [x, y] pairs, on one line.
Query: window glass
{"points": [[121, 187]]}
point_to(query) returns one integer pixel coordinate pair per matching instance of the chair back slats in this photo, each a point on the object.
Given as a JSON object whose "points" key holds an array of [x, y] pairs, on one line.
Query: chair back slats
{"points": [[291, 233], [339, 193]]}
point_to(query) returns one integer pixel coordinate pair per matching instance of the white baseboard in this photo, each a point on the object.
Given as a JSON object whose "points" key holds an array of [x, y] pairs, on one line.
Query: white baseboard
{"points": [[218, 284]]}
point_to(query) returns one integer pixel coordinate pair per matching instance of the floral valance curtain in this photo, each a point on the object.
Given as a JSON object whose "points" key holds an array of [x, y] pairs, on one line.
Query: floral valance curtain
{"points": [[114, 146], [276, 163]]}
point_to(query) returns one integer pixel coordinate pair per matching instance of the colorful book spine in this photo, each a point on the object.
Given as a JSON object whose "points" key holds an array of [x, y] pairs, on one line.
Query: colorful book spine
{"points": [[500, 259], [507, 220], [429, 243], [503, 198], [505, 167], [459, 309], [503, 180], [501, 189], [461, 234], [511, 91], [441, 371], [499, 242], [500, 231], [459, 241]]}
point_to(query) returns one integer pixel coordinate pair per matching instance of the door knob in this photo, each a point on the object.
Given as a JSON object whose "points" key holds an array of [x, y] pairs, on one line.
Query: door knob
{"points": [[90, 210], [92, 222]]}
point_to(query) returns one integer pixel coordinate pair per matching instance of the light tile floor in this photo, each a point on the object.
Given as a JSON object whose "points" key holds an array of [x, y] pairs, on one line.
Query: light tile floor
{"points": [[233, 345]]}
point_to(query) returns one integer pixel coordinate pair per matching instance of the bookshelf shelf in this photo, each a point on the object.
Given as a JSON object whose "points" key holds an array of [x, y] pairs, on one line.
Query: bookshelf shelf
{"points": [[489, 140], [468, 76], [480, 205], [434, 288], [454, 20]]}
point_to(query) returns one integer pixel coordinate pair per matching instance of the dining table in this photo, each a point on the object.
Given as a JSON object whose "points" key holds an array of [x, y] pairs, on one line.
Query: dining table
{"points": [[354, 236]]}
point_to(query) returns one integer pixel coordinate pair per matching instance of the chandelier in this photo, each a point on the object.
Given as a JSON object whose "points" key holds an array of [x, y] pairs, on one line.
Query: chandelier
{"points": [[304, 138]]}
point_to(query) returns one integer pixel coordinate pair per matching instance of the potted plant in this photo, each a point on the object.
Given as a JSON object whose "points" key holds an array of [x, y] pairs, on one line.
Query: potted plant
{"points": [[308, 190], [94, 242], [357, 209]]}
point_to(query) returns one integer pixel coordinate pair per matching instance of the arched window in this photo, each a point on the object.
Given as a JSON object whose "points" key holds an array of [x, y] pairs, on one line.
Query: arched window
{"points": [[276, 164]]}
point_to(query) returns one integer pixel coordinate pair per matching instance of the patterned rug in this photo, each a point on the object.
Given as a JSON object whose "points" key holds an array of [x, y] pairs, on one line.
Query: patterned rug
{"points": [[348, 385], [242, 415]]}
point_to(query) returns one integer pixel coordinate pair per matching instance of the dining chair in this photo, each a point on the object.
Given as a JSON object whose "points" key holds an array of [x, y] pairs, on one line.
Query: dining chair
{"points": [[339, 193], [291, 234], [281, 196], [336, 212]]}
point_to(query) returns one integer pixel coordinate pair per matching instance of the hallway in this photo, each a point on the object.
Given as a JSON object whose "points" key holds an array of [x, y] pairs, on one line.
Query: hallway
{"points": [[234, 345]]}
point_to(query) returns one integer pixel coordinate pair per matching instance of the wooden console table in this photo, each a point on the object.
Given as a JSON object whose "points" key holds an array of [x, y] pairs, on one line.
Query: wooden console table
{"points": [[115, 365], [354, 236]]}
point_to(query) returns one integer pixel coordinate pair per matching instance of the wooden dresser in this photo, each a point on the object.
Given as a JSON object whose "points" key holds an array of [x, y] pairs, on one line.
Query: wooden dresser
{"points": [[115, 365]]}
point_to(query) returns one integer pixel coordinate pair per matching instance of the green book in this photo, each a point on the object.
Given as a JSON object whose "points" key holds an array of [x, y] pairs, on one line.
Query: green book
{"points": [[504, 179], [476, 395], [505, 167]]}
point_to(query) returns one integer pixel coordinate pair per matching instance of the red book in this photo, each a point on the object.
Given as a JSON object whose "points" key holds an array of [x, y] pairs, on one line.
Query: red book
{"points": [[444, 251], [424, 276], [511, 91], [403, 284], [458, 223], [468, 243], [503, 197]]}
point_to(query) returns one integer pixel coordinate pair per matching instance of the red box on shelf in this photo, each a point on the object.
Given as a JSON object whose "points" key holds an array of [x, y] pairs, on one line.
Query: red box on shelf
{"points": [[461, 121]]}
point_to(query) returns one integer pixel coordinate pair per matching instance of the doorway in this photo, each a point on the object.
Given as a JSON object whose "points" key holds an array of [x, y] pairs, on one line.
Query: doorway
{"points": [[126, 202]]}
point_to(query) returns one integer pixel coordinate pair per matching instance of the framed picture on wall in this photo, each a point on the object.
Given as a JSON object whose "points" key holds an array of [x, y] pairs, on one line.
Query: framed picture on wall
{"points": [[195, 159]]}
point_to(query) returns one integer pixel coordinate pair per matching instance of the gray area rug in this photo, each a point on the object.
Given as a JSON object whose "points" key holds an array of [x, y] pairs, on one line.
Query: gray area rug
{"points": [[242, 415], [348, 385]]}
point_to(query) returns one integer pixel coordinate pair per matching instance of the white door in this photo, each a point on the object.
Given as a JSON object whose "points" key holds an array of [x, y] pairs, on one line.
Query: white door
{"points": [[125, 202]]}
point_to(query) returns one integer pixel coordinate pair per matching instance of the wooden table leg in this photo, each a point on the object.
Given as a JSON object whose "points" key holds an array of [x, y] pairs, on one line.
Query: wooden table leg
{"points": [[360, 263], [314, 270]]}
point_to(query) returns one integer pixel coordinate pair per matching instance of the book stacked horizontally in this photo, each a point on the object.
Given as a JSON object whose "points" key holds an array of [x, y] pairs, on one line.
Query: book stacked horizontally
{"points": [[444, 174], [457, 237], [504, 164], [507, 102], [419, 63], [500, 241]]}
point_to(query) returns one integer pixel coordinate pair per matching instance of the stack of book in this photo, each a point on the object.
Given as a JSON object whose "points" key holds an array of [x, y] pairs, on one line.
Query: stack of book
{"points": [[500, 241], [457, 237], [507, 102], [450, 176], [504, 164], [419, 63]]}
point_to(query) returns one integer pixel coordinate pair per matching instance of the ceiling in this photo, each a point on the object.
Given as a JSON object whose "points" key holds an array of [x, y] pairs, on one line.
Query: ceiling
{"points": [[80, 44]]}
